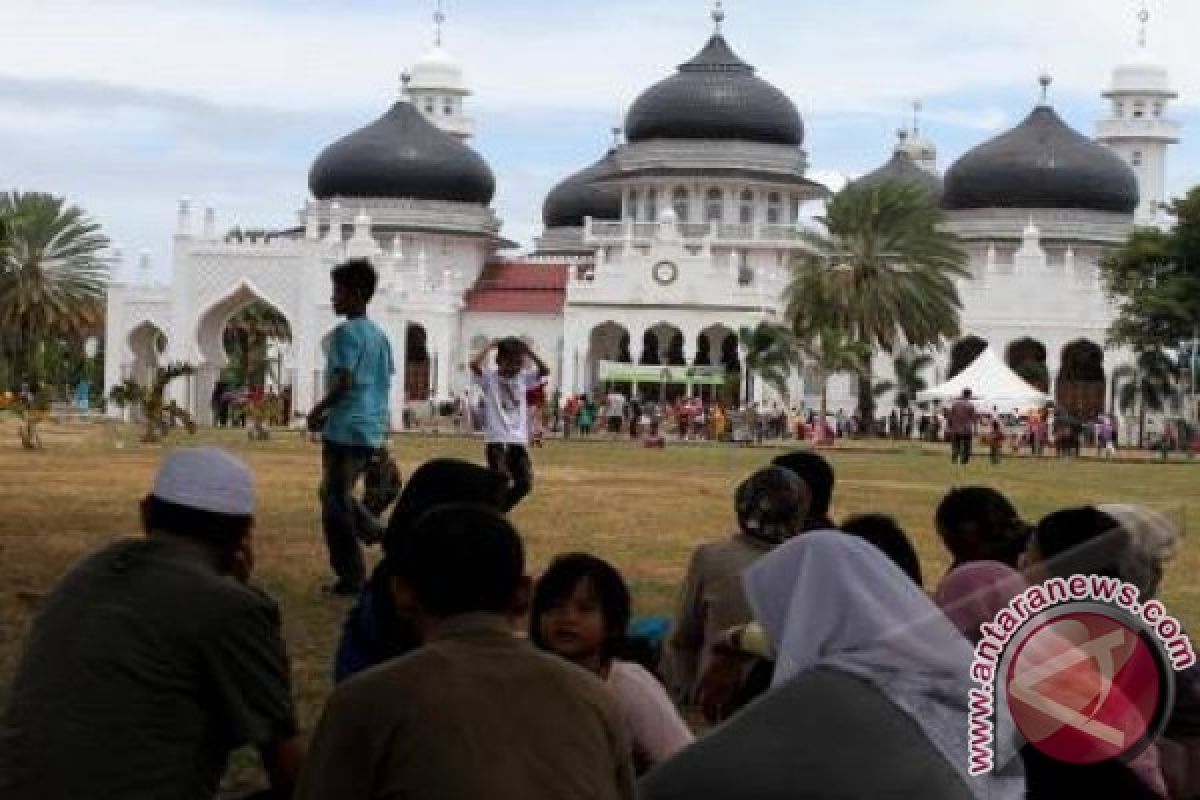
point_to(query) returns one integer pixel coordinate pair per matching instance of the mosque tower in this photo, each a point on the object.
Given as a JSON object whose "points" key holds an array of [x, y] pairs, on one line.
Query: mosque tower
{"points": [[435, 86], [1139, 128]]}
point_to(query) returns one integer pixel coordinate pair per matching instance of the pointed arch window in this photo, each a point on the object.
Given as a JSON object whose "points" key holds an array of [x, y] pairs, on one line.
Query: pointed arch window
{"points": [[632, 208], [774, 208], [681, 204], [714, 206], [746, 208]]}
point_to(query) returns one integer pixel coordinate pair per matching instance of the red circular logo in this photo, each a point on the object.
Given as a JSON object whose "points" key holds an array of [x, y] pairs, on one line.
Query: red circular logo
{"points": [[1085, 687]]}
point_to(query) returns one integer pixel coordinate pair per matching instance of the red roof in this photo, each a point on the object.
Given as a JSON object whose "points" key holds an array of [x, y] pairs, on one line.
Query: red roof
{"points": [[515, 286]]}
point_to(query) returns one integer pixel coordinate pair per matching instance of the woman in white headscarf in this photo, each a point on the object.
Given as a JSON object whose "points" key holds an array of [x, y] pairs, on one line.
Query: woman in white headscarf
{"points": [[869, 697]]}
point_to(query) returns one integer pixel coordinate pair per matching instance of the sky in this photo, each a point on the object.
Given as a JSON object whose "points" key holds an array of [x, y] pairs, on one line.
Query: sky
{"points": [[126, 106]]}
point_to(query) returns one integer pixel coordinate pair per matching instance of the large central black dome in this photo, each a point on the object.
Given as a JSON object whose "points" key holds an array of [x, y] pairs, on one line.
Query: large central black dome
{"points": [[577, 197], [716, 95], [402, 154], [1041, 163]]}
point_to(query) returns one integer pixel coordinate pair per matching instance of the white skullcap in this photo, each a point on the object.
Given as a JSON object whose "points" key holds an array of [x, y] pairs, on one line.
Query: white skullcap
{"points": [[206, 479]]}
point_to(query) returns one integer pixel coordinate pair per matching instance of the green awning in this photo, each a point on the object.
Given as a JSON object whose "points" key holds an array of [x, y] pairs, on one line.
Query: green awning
{"points": [[617, 372]]}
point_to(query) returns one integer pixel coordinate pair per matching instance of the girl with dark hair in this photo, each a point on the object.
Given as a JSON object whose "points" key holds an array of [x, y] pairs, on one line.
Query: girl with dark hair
{"points": [[980, 524], [581, 611]]}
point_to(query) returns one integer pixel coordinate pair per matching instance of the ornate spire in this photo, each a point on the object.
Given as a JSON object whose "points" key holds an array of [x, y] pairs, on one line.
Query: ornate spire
{"points": [[439, 19], [1045, 80], [1143, 21], [616, 134], [917, 108], [718, 15]]}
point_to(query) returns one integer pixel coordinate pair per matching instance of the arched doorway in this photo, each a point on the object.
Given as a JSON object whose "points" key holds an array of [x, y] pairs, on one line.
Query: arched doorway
{"points": [[964, 353], [1027, 358], [608, 341], [147, 343], [417, 364], [731, 360], [244, 342], [1079, 389]]}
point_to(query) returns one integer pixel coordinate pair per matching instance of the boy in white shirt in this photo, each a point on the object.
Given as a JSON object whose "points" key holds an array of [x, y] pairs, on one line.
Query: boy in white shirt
{"points": [[506, 411]]}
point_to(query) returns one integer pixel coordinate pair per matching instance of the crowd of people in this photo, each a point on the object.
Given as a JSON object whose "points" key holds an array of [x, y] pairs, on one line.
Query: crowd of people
{"points": [[810, 654], [797, 642]]}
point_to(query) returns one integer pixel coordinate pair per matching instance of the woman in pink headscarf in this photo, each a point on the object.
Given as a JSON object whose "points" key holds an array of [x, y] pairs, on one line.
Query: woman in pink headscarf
{"points": [[976, 592]]}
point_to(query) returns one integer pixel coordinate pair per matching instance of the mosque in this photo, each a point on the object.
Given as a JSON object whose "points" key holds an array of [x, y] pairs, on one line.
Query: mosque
{"points": [[655, 256]]}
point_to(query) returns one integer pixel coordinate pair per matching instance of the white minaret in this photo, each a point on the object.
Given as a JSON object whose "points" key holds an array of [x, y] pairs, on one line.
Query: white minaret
{"points": [[919, 148], [1139, 127], [436, 87]]}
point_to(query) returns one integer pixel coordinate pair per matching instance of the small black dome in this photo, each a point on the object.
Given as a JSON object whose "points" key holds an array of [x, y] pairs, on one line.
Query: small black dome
{"points": [[1041, 163], [716, 95], [901, 169], [577, 197], [402, 154]]}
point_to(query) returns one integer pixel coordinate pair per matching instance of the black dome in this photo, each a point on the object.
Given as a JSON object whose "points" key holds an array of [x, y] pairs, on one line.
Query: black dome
{"points": [[1041, 163], [402, 154], [716, 95], [901, 169], [576, 198]]}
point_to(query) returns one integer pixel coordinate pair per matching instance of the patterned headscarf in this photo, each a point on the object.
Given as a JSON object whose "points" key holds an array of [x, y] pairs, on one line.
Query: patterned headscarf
{"points": [[772, 504]]}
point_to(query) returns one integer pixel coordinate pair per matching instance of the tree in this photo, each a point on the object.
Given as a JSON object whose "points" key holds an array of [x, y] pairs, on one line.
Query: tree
{"points": [[157, 418], [52, 277], [883, 273], [1154, 280], [772, 353], [909, 382], [831, 352], [1147, 386], [246, 337]]}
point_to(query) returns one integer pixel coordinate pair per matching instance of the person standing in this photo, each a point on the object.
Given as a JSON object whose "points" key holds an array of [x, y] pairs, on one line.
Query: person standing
{"points": [[614, 411], [353, 420], [961, 420], [154, 659], [506, 417]]}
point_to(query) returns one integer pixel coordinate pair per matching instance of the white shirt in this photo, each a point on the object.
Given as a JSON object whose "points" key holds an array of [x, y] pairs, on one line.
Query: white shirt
{"points": [[505, 411], [655, 727], [616, 405]]}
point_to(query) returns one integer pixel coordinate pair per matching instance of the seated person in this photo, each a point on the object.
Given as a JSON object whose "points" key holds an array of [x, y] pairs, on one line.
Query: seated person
{"points": [[818, 476], [977, 523], [886, 534], [373, 631], [867, 669], [581, 610], [771, 506], [475, 712], [153, 659]]}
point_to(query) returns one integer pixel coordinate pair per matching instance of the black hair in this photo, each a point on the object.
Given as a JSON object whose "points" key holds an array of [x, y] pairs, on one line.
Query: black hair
{"points": [[817, 474], [459, 559], [559, 581], [223, 532], [510, 347], [358, 276], [977, 523], [886, 534], [443, 481], [1082, 540]]}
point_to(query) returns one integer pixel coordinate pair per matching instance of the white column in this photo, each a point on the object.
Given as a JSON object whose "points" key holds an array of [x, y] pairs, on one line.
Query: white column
{"points": [[689, 357], [398, 332], [445, 361]]}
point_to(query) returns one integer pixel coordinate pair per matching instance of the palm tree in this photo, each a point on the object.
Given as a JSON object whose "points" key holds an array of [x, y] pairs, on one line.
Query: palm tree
{"points": [[771, 353], [247, 334], [908, 368], [157, 417], [831, 352], [52, 276], [883, 272], [1147, 386]]}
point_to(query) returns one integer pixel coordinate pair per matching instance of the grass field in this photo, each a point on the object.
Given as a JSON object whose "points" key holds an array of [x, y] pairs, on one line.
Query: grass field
{"points": [[642, 509]]}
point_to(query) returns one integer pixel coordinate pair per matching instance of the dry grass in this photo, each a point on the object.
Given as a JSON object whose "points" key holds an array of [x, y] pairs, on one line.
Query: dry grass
{"points": [[643, 510]]}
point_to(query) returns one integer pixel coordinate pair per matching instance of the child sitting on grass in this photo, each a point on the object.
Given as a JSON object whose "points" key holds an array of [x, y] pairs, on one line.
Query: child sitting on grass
{"points": [[581, 611]]}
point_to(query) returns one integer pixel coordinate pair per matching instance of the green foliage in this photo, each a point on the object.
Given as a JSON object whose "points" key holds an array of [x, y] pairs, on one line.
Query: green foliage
{"points": [[908, 368], [1148, 385], [1034, 373], [883, 273], [31, 413], [52, 278], [772, 353], [158, 418], [1155, 282], [246, 336], [832, 352]]}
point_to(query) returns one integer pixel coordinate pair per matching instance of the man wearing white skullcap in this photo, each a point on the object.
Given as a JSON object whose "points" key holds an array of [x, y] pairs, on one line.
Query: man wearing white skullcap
{"points": [[153, 659]]}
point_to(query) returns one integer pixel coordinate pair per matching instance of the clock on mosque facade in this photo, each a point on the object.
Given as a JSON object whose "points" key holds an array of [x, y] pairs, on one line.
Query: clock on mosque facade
{"points": [[664, 273]]}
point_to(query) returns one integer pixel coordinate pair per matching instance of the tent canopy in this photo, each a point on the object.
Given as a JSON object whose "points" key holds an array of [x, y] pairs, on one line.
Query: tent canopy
{"points": [[990, 381]]}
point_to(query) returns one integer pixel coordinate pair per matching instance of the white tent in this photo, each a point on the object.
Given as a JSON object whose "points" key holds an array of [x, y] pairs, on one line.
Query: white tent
{"points": [[990, 381]]}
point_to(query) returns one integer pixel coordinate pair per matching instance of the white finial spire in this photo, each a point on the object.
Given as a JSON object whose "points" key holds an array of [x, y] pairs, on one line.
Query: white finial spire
{"points": [[439, 19], [1143, 20], [616, 134], [1045, 79], [718, 15], [917, 108]]}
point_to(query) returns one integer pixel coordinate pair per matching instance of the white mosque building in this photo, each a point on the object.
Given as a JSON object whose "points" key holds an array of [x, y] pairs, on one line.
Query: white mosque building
{"points": [[655, 256]]}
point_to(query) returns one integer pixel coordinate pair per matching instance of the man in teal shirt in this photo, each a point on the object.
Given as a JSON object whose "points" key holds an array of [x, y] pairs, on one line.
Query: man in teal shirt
{"points": [[353, 419]]}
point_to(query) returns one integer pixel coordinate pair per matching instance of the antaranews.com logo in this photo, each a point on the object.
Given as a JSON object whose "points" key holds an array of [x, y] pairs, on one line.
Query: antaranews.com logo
{"points": [[1085, 671]]}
